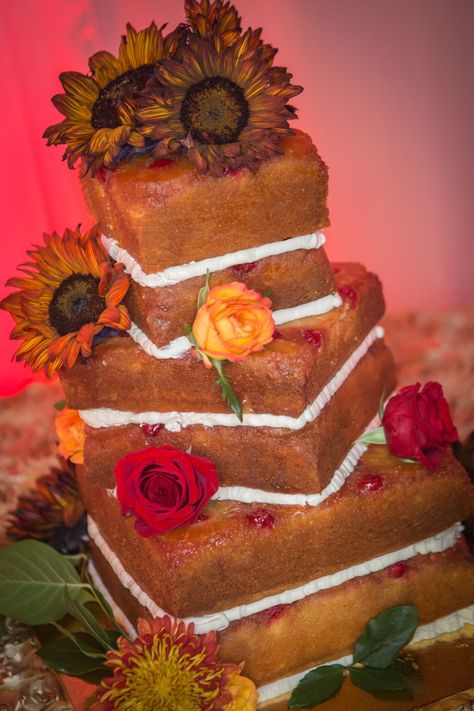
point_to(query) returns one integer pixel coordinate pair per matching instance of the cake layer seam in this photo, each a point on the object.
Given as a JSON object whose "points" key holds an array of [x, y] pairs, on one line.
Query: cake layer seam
{"points": [[221, 620], [175, 274], [175, 421]]}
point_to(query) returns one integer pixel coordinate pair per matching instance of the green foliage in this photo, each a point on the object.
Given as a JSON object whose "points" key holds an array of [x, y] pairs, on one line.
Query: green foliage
{"points": [[317, 686], [374, 668], [33, 581]]}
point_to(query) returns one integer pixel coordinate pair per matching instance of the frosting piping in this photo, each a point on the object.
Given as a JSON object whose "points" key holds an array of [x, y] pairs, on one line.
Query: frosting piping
{"points": [[176, 274], [221, 620], [248, 495], [179, 346], [175, 421], [450, 623]]}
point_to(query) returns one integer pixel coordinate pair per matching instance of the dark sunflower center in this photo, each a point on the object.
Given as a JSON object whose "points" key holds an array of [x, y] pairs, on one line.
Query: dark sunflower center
{"points": [[75, 302], [214, 110], [127, 86]]}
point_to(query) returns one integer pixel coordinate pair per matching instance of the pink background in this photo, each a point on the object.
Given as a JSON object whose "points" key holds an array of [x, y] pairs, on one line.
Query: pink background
{"points": [[388, 100]]}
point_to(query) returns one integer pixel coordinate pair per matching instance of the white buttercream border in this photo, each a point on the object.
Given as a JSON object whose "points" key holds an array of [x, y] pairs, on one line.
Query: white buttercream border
{"points": [[175, 421], [179, 346], [258, 496], [182, 272], [221, 620], [450, 623]]}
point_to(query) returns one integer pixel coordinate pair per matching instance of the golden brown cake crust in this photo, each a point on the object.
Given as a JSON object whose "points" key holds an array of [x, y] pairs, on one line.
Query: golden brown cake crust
{"points": [[175, 215], [323, 627], [282, 379], [229, 558], [274, 459], [290, 279]]}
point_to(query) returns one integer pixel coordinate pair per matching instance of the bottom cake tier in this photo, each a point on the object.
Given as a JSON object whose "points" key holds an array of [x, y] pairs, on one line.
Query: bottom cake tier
{"points": [[284, 640]]}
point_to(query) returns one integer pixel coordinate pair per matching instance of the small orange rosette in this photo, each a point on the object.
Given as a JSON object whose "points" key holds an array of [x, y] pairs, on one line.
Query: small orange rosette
{"points": [[233, 322]]}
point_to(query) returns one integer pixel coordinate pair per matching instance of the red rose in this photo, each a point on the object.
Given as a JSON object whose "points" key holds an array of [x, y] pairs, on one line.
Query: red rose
{"points": [[418, 425], [164, 488]]}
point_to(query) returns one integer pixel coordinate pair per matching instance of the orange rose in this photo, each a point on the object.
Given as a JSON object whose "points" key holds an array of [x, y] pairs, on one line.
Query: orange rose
{"points": [[70, 430], [233, 322]]}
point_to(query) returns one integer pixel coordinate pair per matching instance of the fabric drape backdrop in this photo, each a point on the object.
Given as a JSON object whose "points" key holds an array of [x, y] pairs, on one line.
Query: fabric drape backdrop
{"points": [[388, 100]]}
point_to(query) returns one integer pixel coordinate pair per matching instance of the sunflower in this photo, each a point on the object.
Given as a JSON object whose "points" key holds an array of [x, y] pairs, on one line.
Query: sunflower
{"points": [[100, 109], [167, 667], [207, 16], [221, 106], [70, 293]]}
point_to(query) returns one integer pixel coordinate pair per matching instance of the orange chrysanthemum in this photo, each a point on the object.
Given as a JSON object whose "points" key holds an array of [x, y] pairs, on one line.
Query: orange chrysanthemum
{"points": [[167, 667], [222, 106], [100, 109], [70, 293]]}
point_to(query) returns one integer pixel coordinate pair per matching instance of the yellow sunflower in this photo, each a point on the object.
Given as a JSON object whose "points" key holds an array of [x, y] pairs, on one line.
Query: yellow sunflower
{"points": [[170, 667], [221, 106], [69, 294], [100, 109]]}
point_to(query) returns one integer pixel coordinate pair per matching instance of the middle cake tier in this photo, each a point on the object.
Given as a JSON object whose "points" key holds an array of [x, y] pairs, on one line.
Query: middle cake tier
{"points": [[241, 553]]}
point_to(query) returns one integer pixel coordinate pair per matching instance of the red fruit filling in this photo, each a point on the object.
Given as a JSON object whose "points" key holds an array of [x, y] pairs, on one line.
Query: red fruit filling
{"points": [[315, 338], [262, 518], [151, 430], [276, 335], [397, 570], [348, 294], [272, 613], [371, 482], [244, 268], [161, 163], [101, 174]]}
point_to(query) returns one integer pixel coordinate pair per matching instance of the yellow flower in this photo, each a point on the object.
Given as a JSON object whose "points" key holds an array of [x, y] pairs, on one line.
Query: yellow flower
{"points": [[100, 109], [244, 694], [69, 294], [233, 322], [70, 430]]}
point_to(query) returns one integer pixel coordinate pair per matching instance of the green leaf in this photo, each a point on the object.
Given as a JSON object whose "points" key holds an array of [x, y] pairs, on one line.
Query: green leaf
{"points": [[3, 626], [66, 657], [202, 296], [60, 405], [379, 681], [83, 641], [83, 615], [33, 580], [317, 686], [376, 436], [228, 393], [268, 293], [385, 635]]}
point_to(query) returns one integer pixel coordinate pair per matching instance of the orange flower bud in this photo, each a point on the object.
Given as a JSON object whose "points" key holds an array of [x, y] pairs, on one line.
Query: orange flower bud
{"points": [[70, 430], [233, 322]]}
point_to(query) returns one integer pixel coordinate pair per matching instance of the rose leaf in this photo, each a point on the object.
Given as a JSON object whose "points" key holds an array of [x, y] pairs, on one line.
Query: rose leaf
{"points": [[317, 686], [379, 682], [385, 635]]}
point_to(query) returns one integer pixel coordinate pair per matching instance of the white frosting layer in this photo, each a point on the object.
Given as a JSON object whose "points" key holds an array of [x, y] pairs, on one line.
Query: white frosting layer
{"points": [[175, 421], [450, 623], [119, 614], [173, 275], [177, 348], [250, 496], [221, 620]]}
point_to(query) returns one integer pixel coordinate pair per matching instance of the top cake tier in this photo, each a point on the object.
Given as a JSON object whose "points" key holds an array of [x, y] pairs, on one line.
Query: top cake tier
{"points": [[164, 213]]}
